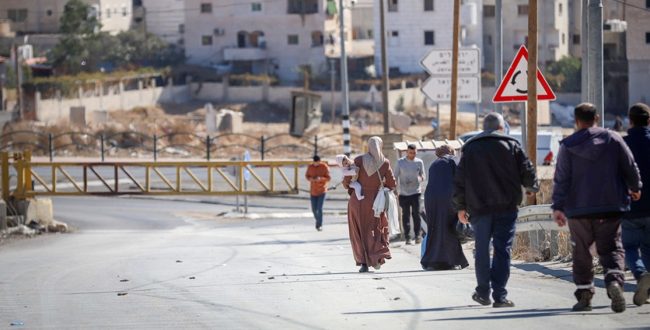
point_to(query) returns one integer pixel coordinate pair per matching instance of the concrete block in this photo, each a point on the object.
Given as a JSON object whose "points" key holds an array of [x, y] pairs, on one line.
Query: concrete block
{"points": [[229, 121], [78, 116]]}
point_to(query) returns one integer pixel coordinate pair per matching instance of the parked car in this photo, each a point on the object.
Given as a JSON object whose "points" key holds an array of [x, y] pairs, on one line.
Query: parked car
{"points": [[548, 144]]}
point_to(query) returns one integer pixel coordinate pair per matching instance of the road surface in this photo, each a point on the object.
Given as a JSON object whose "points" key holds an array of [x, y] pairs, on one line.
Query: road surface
{"points": [[150, 264]]}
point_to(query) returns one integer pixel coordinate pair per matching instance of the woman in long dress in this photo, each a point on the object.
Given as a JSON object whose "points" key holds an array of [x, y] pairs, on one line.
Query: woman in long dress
{"points": [[443, 249], [369, 234]]}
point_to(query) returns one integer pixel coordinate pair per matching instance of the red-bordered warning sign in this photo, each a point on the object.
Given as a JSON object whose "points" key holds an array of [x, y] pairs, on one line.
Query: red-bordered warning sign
{"points": [[514, 86]]}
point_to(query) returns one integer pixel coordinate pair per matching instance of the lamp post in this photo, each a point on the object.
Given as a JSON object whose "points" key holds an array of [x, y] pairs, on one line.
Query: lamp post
{"points": [[345, 102]]}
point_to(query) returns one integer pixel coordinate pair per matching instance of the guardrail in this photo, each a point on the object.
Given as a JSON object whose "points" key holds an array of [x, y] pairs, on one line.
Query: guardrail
{"points": [[148, 178], [208, 147]]}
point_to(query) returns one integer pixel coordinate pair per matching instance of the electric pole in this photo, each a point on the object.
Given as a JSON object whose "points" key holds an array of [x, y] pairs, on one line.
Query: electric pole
{"points": [[454, 71], [344, 84], [385, 85], [532, 86], [595, 54], [498, 46]]}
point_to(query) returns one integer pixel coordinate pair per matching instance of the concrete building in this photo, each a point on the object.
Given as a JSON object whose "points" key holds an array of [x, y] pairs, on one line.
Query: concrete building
{"points": [[278, 37], [164, 18], [614, 27], [415, 27], [43, 16], [638, 50], [553, 30]]}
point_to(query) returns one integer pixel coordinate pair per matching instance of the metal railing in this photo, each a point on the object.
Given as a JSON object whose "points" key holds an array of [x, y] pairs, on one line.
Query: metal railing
{"points": [[182, 144], [147, 178]]}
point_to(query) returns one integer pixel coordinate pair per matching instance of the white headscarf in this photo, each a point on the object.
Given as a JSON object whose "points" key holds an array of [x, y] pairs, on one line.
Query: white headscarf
{"points": [[374, 158]]}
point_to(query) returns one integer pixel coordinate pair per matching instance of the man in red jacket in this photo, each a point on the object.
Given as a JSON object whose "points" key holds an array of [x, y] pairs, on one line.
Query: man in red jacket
{"points": [[318, 175]]}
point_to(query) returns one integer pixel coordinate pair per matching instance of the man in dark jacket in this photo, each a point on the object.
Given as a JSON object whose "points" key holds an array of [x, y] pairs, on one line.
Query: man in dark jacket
{"points": [[488, 182], [594, 178], [636, 223]]}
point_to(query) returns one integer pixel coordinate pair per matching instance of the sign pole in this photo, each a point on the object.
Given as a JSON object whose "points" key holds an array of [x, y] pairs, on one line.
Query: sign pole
{"points": [[454, 71], [532, 86]]}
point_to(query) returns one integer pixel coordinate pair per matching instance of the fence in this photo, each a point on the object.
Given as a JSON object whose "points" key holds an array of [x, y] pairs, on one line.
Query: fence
{"points": [[178, 144]]}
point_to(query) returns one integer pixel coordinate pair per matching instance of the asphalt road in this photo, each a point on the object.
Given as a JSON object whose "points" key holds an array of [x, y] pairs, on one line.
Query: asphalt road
{"points": [[147, 264]]}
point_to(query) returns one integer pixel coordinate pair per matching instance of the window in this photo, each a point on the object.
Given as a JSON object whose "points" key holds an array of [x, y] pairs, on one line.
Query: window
{"points": [[206, 40], [647, 37], [489, 11], [317, 39], [428, 5], [17, 15], [292, 39], [576, 39], [488, 40], [563, 38], [206, 8], [48, 12], [647, 3], [392, 5], [371, 34], [429, 38], [108, 13], [302, 6], [522, 10], [560, 9], [137, 3], [125, 12], [256, 6], [181, 28], [393, 38]]}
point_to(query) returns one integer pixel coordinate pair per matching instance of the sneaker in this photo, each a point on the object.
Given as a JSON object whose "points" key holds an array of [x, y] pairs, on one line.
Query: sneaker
{"points": [[483, 301], [409, 241], [584, 301], [418, 240], [615, 293], [503, 303], [363, 269], [319, 228], [642, 289]]}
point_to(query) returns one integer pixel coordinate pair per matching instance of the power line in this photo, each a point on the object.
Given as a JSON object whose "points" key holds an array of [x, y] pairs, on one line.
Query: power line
{"points": [[625, 3]]}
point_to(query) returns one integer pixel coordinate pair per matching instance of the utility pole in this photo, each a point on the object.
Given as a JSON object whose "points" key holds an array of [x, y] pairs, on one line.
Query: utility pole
{"points": [[454, 71], [498, 46], [532, 86], [584, 47], [344, 84], [333, 86], [19, 80], [595, 54], [385, 86]]}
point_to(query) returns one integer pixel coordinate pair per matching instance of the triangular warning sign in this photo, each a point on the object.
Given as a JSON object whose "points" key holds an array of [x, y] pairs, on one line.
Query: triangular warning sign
{"points": [[514, 86]]}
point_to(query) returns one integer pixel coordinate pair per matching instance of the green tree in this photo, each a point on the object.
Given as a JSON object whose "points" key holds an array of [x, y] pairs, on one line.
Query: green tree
{"points": [[564, 75]]}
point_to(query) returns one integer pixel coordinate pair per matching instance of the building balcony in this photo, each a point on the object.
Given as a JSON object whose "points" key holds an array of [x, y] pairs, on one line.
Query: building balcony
{"points": [[245, 54]]}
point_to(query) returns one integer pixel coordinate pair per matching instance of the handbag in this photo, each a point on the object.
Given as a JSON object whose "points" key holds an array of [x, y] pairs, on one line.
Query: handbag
{"points": [[464, 232]]}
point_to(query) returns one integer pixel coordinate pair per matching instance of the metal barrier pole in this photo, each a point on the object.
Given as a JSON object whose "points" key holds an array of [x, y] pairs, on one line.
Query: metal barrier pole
{"points": [[262, 146], [5, 175], [155, 148], [29, 184], [49, 137], [101, 137], [207, 147]]}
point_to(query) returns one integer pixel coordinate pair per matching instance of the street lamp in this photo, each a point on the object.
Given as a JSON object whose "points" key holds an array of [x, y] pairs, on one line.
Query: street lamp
{"points": [[344, 84]]}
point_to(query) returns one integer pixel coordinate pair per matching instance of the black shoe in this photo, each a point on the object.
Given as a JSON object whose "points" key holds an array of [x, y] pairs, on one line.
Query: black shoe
{"points": [[319, 228], [363, 269], [615, 293], [642, 290], [584, 301], [503, 303], [481, 300]]}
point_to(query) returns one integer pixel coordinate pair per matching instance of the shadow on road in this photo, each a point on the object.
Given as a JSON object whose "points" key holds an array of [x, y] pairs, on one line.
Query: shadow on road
{"points": [[565, 275], [525, 313], [416, 310]]}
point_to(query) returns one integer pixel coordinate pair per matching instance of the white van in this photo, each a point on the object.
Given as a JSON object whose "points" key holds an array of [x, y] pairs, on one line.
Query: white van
{"points": [[548, 144]]}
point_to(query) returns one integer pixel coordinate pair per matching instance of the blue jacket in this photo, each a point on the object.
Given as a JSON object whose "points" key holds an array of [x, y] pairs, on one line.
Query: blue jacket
{"points": [[594, 171], [638, 139]]}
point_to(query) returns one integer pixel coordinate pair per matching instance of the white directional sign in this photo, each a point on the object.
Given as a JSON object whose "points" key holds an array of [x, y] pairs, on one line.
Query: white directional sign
{"points": [[438, 61], [438, 89]]}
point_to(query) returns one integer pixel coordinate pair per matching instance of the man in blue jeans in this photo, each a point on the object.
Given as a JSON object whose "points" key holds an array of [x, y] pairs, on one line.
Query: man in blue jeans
{"points": [[488, 182], [636, 223], [318, 175]]}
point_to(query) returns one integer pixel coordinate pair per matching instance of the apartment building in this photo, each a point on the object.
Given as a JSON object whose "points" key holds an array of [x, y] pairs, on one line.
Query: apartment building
{"points": [[277, 37], [415, 27], [614, 27], [638, 50], [43, 16], [164, 18], [553, 30]]}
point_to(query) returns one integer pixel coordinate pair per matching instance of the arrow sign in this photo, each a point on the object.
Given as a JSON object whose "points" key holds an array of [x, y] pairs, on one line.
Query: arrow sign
{"points": [[438, 89], [438, 62], [514, 86]]}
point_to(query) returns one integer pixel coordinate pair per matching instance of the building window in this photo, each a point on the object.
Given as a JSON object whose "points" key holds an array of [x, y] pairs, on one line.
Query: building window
{"points": [[489, 11], [647, 37], [317, 39], [292, 39], [429, 38], [181, 28], [393, 38], [49, 12], [428, 5], [576, 39], [488, 40], [125, 12], [206, 40], [647, 3], [17, 15], [256, 6], [302, 6], [392, 5], [108, 13], [563, 38], [206, 8], [522, 10], [560, 9]]}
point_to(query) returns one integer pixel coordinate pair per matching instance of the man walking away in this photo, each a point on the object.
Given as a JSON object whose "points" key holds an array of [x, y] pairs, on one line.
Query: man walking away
{"points": [[488, 182], [318, 175], [594, 176], [636, 223], [409, 173]]}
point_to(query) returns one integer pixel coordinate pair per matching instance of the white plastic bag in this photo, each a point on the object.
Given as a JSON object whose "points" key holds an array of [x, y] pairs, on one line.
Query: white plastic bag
{"points": [[391, 212]]}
